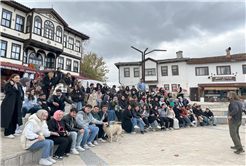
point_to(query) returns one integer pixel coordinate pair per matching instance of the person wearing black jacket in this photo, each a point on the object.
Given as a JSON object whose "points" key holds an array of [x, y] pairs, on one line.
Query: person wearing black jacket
{"points": [[122, 103], [177, 112], [104, 89], [137, 119], [58, 76], [209, 116], [44, 104], [77, 97], [90, 89], [48, 81], [64, 141], [134, 89], [180, 91], [158, 117], [76, 133], [200, 115], [56, 102], [127, 119], [156, 102], [99, 86], [104, 117]]}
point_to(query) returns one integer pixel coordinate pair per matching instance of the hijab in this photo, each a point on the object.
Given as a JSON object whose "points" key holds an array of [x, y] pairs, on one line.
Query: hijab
{"points": [[40, 113], [55, 116], [24, 80]]}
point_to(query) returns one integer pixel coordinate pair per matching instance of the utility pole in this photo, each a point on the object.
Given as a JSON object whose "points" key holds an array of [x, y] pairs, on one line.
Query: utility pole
{"points": [[143, 59]]}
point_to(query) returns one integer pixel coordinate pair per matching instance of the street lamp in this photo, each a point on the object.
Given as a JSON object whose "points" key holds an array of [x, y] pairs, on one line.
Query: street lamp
{"points": [[143, 58]]}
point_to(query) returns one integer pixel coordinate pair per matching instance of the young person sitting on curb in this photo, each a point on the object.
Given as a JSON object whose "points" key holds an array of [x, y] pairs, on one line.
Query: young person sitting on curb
{"points": [[84, 118], [57, 102], [107, 101], [104, 117], [137, 119], [209, 116], [76, 132], [199, 114], [163, 113], [94, 113], [191, 114], [178, 115], [33, 137], [185, 117]]}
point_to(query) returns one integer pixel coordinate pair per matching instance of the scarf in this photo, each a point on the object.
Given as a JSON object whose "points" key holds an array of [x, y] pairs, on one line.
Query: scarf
{"points": [[55, 116], [40, 113]]}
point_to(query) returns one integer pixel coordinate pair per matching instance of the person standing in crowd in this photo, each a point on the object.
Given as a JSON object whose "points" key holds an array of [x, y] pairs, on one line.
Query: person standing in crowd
{"points": [[77, 97], [104, 89], [115, 106], [141, 86], [63, 140], [48, 81], [11, 106], [63, 86], [90, 89], [58, 75], [33, 137], [180, 91], [112, 91], [82, 89], [57, 102], [92, 98], [99, 98], [30, 105], [235, 118], [69, 81], [171, 115], [76, 132], [209, 116], [107, 102]]}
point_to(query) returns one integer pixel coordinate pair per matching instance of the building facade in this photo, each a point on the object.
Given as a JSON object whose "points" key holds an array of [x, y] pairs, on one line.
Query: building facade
{"points": [[39, 36], [209, 77]]}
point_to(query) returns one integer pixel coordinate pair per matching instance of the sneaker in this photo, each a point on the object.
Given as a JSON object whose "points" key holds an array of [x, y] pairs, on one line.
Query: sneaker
{"points": [[74, 151], [66, 155], [95, 143], [159, 127], [51, 160], [142, 132], [16, 134], [239, 151], [101, 140], [194, 125], [214, 125], [167, 129], [150, 127], [86, 146], [153, 129], [10, 136], [44, 162], [163, 129], [56, 158], [133, 132], [187, 126], [145, 130], [18, 131], [136, 127], [90, 144], [79, 148]]}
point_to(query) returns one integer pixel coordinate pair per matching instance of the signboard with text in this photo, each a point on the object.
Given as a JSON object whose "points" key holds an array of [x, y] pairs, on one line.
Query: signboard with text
{"points": [[223, 79]]}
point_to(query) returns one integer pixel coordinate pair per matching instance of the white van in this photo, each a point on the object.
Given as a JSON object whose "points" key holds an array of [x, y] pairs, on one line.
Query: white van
{"points": [[86, 83]]}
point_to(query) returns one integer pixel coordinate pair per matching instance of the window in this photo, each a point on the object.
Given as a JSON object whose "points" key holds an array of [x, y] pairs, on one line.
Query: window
{"points": [[175, 70], [244, 69], [6, 18], [58, 34], [75, 66], [28, 24], [25, 56], [37, 25], [61, 62], [35, 59], [223, 70], [19, 24], [77, 46], [49, 61], [15, 51], [201, 71], [68, 67], [164, 71], [136, 72], [70, 43], [150, 72], [166, 86], [49, 30], [174, 86], [3, 48], [126, 72], [65, 41]]}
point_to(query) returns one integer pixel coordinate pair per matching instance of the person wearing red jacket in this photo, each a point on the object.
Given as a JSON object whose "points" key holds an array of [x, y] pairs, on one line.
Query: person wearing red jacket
{"points": [[185, 117]]}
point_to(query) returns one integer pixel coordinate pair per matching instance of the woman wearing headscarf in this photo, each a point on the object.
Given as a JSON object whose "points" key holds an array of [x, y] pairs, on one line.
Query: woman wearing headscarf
{"points": [[33, 137], [64, 141], [11, 106], [107, 102]]}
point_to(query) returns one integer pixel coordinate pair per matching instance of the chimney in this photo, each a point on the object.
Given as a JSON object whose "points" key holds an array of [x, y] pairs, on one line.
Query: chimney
{"points": [[179, 54], [228, 51]]}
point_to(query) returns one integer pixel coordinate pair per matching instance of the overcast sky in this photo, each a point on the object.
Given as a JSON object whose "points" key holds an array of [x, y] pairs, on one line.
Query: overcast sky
{"points": [[199, 29]]}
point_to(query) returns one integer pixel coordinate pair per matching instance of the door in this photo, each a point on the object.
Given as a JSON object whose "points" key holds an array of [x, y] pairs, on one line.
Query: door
{"points": [[194, 94]]}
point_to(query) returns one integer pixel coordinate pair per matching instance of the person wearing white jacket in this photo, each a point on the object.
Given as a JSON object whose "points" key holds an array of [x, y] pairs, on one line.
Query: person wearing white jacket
{"points": [[33, 137]]}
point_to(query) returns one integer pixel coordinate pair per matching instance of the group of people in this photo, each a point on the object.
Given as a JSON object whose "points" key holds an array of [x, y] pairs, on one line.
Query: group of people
{"points": [[134, 109]]}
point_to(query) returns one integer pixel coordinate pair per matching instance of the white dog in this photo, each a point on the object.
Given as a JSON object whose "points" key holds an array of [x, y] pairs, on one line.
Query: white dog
{"points": [[112, 130]]}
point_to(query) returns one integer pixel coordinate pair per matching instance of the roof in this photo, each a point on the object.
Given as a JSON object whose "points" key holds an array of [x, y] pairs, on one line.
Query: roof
{"points": [[11, 66], [215, 59], [71, 30]]}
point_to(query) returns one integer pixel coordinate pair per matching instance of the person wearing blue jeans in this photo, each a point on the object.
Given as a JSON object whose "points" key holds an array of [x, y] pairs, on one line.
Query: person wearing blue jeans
{"points": [[209, 116], [93, 130], [77, 97], [137, 119], [111, 113]]}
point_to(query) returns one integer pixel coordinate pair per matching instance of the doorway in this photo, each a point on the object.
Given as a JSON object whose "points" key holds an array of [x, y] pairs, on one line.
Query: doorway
{"points": [[194, 95]]}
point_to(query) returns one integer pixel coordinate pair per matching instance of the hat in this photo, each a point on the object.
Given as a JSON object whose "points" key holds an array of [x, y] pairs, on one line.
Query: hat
{"points": [[170, 106]]}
